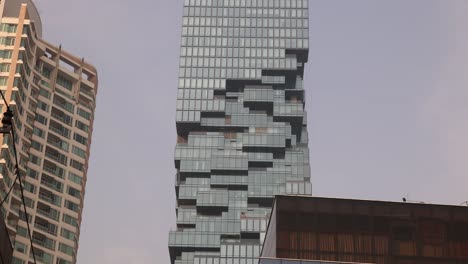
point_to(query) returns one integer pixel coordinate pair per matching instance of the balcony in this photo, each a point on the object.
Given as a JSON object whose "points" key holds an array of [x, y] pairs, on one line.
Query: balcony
{"points": [[82, 100], [47, 211], [212, 202], [49, 197], [64, 104], [57, 142], [51, 183], [54, 169], [55, 155], [45, 226], [181, 241], [42, 240], [229, 165], [60, 115], [264, 141], [42, 256], [260, 94], [288, 109], [59, 129]]}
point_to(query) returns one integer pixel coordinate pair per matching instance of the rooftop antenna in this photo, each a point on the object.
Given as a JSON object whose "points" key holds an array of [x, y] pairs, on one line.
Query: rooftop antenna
{"points": [[406, 199]]}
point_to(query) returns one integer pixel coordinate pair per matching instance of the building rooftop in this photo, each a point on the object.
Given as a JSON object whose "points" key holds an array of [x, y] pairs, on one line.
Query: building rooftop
{"points": [[12, 8], [349, 230]]}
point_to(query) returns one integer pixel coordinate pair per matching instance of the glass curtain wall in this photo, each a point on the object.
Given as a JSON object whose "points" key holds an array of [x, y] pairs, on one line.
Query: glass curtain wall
{"points": [[241, 125]]}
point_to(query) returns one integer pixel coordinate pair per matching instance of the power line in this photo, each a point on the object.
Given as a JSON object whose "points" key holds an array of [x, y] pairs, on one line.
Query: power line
{"points": [[9, 122], [9, 191], [5, 129], [22, 191]]}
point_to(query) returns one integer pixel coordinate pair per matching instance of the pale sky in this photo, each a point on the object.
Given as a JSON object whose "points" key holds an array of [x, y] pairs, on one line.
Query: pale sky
{"points": [[387, 102]]}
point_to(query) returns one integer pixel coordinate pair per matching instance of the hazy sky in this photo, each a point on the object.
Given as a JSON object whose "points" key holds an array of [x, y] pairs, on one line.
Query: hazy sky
{"points": [[387, 98]]}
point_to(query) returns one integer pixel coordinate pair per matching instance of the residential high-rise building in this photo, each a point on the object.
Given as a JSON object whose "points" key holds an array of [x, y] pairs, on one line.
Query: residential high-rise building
{"points": [[52, 95], [241, 125]]}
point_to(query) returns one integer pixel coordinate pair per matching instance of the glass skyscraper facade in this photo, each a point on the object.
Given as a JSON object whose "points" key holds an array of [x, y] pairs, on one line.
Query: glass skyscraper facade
{"points": [[241, 125]]}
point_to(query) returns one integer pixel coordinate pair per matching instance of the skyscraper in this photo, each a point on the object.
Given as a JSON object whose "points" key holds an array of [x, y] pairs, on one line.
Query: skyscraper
{"points": [[241, 125], [52, 95]]}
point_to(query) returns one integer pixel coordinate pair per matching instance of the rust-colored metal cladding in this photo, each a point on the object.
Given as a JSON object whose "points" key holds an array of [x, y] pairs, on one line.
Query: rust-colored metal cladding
{"points": [[328, 229]]}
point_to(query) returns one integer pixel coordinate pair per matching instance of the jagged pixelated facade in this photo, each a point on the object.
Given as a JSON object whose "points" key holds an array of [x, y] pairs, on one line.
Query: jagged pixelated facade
{"points": [[241, 125]]}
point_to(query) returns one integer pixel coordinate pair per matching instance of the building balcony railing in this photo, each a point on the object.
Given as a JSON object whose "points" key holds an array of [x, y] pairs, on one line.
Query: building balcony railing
{"points": [[64, 133], [57, 157], [48, 229], [50, 200], [194, 239], [44, 242], [63, 118], [51, 213]]}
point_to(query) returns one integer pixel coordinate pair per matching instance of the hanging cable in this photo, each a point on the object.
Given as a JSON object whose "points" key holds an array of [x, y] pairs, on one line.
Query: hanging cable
{"points": [[9, 124], [9, 191], [17, 171], [5, 129], [4, 100]]}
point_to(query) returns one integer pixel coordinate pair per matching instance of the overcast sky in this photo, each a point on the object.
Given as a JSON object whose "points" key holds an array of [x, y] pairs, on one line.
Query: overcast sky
{"points": [[387, 98]]}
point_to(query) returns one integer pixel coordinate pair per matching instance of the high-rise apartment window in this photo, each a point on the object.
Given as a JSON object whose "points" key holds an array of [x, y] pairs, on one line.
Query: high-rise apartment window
{"points": [[46, 72], [29, 202], [56, 155], [66, 249], [44, 93], [62, 116], [38, 132], [10, 28], [36, 145], [73, 192], [51, 182], [42, 256], [35, 159], [62, 261], [72, 206], [64, 104], [54, 169], [32, 173], [74, 178], [80, 139], [81, 126], [70, 220], [57, 141], [77, 165], [17, 261], [21, 231], [42, 105], [68, 234], [30, 187], [5, 67], [59, 128], [79, 152], [3, 81], [41, 119], [86, 90], [83, 113], [64, 82]]}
